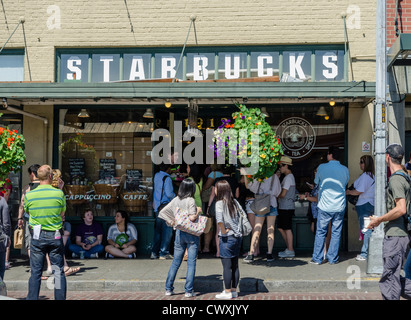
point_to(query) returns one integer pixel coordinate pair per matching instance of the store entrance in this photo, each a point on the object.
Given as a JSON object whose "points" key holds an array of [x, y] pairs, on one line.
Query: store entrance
{"points": [[305, 131]]}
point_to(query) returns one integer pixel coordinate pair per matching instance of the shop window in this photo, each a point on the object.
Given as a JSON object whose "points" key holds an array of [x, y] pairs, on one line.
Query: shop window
{"points": [[11, 67], [105, 159]]}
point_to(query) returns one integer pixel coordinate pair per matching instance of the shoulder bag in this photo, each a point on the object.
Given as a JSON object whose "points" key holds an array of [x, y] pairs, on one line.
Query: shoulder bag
{"points": [[183, 223], [244, 224], [262, 202]]}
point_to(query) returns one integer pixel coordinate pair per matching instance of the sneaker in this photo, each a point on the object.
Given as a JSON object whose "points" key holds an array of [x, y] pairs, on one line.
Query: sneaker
{"points": [[153, 256], [7, 265], [169, 293], [166, 257], [224, 295], [315, 262], [286, 254], [189, 294], [249, 258], [109, 255], [234, 294], [74, 256], [132, 256], [270, 257], [360, 258], [94, 255]]}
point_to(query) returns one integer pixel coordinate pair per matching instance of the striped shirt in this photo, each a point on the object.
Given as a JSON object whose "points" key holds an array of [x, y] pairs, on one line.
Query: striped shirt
{"points": [[45, 204]]}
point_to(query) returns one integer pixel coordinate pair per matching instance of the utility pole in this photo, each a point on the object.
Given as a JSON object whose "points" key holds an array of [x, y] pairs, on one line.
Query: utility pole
{"points": [[374, 261]]}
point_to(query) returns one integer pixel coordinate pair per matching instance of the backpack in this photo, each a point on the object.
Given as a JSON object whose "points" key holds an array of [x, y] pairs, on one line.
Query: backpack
{"points": [[407, 216]]}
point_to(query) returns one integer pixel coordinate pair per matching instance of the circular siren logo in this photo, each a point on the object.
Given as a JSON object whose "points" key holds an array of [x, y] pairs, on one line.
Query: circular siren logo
{"points": [[297, 137]]}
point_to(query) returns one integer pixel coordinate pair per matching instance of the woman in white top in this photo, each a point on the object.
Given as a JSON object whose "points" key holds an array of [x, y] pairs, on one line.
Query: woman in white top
{"points": [[364, 188], [272, 187], [121, 237]]}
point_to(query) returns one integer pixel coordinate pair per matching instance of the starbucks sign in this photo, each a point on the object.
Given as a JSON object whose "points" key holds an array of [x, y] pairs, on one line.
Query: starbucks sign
{"points": [[297, 137]]}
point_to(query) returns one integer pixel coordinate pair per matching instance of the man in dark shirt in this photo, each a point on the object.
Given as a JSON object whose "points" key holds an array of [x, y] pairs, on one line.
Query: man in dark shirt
{"points": [[396, 239]]}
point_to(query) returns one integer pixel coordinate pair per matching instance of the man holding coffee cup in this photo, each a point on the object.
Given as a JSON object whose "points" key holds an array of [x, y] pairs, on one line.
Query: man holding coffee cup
{"points": [[396, 239]]}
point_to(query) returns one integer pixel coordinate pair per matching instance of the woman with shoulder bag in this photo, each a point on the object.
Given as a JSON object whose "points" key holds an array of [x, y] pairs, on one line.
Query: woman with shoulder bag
{"points": [[183, 240], [230, 237], [272, 187], [364, 189]]}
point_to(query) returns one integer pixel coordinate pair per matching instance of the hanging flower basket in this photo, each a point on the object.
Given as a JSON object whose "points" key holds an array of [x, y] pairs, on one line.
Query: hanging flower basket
{"points": [[12, 156], [252, 140]]}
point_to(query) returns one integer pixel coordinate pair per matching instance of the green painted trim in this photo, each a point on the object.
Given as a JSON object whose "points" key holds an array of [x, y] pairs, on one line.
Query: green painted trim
{"points": [[185, 90]]}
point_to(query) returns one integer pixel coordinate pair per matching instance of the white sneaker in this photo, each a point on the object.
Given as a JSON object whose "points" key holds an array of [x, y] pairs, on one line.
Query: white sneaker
{"points": [[360, 258], [286, 254], [169, 293], [189, 294], [224, 295]]}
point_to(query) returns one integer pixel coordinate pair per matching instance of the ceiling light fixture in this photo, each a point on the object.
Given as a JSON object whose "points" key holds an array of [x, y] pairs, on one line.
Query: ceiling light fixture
{"points": [[167, 104], [148, 113], [83, 114], [321, 112], [332, 103]]}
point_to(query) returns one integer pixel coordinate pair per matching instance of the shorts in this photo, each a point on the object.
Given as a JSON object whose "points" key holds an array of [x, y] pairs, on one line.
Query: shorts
{"points": [[273, 212], [285, 219]]}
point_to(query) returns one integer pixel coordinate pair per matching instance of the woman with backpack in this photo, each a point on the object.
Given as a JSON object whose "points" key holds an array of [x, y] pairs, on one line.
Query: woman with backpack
{"points": [[230, 237], [183, 241]]}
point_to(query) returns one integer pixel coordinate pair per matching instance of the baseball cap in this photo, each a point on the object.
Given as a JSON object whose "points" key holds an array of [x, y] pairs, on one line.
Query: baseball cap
{"points": [[395, 151]]}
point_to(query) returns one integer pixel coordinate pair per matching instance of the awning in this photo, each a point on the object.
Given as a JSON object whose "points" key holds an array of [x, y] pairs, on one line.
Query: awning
{"points": [[44, 93]]}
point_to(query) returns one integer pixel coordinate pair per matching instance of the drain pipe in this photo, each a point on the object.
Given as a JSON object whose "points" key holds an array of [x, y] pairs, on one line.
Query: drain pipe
{"points": [[45, 122]]}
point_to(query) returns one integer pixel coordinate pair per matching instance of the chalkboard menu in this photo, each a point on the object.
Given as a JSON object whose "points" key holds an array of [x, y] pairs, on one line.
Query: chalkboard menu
{"points": [[134, 177], [77, 168], [107, 168]]}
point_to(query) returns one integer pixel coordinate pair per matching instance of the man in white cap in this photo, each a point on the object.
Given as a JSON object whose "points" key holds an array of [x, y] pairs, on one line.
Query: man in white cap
{"points": [[286, 207]]}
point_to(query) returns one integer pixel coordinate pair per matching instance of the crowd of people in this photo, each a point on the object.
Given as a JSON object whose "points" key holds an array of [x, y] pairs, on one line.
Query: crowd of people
{"points": [[217, 194]]}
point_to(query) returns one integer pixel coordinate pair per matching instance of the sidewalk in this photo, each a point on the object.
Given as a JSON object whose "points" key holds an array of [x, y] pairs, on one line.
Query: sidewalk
{"points": [[145, 275]]}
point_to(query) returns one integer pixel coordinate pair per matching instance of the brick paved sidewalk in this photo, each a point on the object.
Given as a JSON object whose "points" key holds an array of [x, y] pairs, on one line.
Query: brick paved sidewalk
{"points": [[98, 296]]}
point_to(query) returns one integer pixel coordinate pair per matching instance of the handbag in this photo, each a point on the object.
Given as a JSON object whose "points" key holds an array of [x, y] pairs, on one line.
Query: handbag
{"points": [[244, 224], [262, 202], [183, 223], [350, 198], [18, 238]]}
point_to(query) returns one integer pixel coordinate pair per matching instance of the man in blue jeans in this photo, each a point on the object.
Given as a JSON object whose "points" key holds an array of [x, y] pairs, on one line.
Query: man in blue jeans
{"points": [[163, 194], [46, 205], [332, 179]]}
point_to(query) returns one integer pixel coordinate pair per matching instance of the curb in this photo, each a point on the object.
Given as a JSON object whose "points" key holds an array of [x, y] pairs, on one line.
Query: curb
{"points": [[246, 285]]}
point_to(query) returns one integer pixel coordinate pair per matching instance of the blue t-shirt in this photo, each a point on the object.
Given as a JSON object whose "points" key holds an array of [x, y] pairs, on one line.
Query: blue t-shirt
{"points": [[332, 179]]}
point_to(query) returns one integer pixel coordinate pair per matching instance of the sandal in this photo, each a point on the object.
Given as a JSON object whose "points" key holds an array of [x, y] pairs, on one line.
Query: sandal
{"points": [[69, 271]]}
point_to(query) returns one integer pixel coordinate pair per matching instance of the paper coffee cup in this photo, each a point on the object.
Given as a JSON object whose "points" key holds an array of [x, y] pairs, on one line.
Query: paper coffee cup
{"points": [[367, 221]]}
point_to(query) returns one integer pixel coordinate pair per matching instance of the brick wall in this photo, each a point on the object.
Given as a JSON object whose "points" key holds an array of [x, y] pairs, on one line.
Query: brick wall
{"points": [[159, 23], [403, 18]]}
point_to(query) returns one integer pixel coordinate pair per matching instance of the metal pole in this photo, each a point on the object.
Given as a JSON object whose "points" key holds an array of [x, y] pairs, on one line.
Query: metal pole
{"points": [[374, 261]]}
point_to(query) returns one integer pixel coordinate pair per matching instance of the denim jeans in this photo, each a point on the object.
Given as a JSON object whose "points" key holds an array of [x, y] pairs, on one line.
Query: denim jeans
{"points": [[407, 266], [182, 242], [323, 220], [2, 265], [55, 249], [87, 253], [162, 238], [364, 210]]}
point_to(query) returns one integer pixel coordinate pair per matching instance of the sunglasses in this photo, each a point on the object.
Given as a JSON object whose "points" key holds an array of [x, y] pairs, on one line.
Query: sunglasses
{"points": [[362, 162]]}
